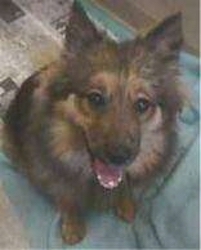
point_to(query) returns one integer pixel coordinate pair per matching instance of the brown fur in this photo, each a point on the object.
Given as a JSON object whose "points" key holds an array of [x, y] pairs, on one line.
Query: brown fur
{"points": [[55, 132]]}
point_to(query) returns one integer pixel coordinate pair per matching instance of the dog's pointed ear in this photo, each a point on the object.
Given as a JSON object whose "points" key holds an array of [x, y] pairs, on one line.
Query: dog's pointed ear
{"points": [[81, 33], [166, 38]]}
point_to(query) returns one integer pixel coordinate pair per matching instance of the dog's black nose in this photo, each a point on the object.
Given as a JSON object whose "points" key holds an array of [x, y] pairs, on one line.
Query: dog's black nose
{"points": [[120, 156]]}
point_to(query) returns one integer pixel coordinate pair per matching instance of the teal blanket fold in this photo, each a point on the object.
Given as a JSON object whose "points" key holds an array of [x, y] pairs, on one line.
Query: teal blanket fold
{"points": [[169, 217]]}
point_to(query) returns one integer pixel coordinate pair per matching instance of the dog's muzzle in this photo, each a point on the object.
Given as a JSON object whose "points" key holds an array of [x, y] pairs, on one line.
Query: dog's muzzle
{"points": [[110, 168], [108, 175]]}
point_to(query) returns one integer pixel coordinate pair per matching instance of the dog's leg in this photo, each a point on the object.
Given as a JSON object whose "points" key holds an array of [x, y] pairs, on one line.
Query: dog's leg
{"points": [[73, 228], [124, 205]]}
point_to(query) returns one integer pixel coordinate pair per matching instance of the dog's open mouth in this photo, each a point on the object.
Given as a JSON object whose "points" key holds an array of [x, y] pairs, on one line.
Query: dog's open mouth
{"points": [[108, 176]]}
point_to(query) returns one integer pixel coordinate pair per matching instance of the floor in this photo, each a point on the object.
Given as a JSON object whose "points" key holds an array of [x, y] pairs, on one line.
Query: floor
{"points": [[31, 35]]}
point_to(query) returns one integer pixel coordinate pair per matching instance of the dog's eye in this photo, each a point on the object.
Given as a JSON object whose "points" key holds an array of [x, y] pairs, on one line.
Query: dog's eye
{"points": [[142, 105], [96, 99]]}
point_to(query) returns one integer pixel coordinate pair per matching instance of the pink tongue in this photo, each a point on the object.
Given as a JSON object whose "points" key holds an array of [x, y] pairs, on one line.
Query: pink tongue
{"points": [[108, 176]]}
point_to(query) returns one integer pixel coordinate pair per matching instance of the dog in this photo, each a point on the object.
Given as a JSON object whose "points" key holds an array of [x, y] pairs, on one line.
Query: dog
{"points": [[88, 127]]}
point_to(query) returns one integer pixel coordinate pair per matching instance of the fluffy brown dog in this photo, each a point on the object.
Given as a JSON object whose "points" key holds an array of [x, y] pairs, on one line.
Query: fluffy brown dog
{"points": [[104, 115]]}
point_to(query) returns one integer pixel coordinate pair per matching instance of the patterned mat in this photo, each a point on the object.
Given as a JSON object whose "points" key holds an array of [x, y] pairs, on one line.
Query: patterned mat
{"points": [[31, 35]]}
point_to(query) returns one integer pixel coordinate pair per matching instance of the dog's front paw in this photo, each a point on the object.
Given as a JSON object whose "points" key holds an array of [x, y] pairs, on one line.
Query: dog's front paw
{"points": [[73, 230], [125, 209]]}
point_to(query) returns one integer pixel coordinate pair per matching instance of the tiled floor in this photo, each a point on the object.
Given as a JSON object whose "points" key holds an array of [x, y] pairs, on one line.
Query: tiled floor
{"points": [[31, 35]]}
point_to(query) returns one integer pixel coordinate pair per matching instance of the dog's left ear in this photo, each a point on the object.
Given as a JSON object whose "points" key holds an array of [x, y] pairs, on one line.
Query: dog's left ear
{"points": [[166, 38], [81, 33]]}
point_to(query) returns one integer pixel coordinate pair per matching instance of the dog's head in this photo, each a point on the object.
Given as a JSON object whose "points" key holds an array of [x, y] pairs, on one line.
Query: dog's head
{"points": [[124, 97]]}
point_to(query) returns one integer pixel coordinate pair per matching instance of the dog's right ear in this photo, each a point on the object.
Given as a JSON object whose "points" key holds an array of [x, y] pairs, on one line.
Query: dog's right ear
{"points": [[81, 33]]}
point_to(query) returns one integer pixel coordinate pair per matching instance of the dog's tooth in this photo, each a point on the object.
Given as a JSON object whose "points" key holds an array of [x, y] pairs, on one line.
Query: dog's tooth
{"points": [[111, 183], [119, 179]]}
